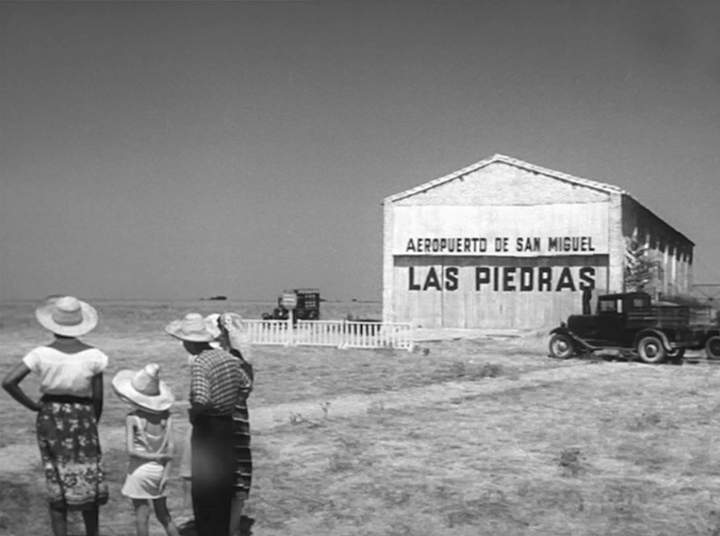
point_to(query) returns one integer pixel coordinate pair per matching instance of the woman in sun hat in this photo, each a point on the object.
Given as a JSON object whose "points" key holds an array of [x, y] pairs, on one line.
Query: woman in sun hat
{"points": [[71, 383], [149, 442]]}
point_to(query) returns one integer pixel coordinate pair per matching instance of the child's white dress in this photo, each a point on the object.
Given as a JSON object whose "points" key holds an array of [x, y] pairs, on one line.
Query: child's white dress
{"points": [[144, 477]]}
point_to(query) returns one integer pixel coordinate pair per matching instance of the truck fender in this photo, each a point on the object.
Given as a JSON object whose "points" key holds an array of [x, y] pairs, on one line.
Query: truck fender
{"points": [[562, 330], [709, 334], [656, 333]]}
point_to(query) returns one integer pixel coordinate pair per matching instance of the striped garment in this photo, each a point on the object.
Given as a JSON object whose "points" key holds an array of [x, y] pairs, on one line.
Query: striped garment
{"points": [[241, 434], [216, 382]]}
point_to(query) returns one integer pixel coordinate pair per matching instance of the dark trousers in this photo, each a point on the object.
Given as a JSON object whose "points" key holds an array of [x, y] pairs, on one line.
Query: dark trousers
{"points": [[212, 474]]}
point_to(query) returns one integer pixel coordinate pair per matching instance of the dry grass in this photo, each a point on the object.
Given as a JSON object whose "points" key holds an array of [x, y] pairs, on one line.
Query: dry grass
{"points": [[628, 454], [628, 451]]}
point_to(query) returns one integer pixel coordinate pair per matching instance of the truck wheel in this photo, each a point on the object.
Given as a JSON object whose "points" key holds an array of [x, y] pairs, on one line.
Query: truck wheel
{"points": [[561, 346], [651, 350], [676, 356], [712, 347]]}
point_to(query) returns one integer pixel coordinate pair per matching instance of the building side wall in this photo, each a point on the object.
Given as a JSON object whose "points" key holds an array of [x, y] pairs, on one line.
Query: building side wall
{"points": [[670, 248]]}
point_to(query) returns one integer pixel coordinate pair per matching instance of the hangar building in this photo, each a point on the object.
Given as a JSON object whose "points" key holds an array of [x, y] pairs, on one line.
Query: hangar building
{"points": [[507, 244]]}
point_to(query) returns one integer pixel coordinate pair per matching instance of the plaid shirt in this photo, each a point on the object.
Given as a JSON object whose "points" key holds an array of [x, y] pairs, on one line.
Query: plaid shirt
{"points": [[217, 381]]}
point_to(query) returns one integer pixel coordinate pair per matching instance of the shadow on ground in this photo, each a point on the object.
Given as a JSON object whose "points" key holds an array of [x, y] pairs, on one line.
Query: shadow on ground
{"points": [[246, 523]]}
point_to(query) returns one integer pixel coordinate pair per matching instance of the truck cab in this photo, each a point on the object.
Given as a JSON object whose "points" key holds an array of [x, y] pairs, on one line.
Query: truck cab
{"points": [[307, 306]]}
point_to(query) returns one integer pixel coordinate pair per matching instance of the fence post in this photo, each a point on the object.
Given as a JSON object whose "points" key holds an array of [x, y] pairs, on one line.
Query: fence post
{"points": [[289, 337]]}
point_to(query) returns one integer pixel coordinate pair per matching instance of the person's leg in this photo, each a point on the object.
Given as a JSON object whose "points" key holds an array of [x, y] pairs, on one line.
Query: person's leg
{"points": [[211, 480], [198, 479], [163, 516], [211, 504], [225, 476], [142, 516], [236, 510], [58, 520], [91, 518]]}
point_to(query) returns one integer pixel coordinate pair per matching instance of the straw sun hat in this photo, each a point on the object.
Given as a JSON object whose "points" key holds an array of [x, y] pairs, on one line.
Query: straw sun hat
{"points": [[144, 388], [66, 315], [191, 328]]}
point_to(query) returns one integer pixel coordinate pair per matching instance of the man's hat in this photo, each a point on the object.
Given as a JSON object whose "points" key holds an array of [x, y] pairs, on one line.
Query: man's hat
{"points": [[191, 328]]}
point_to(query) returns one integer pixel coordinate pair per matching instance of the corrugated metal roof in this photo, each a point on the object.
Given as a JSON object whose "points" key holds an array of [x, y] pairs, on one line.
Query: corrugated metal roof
{"points": [[499, 158]]}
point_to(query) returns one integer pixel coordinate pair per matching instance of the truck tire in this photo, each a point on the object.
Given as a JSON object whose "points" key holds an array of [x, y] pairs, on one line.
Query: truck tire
{"points": [[712, 347], [651, 350], [676, 356], [561, 346]]}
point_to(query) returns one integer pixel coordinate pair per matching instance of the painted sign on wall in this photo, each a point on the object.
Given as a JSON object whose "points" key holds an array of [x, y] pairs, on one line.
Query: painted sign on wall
{"points": [[520, 231], [501, 278]]}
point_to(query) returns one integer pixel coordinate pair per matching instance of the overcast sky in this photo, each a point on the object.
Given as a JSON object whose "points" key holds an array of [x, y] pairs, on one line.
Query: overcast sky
{"points": [[179, 150]]}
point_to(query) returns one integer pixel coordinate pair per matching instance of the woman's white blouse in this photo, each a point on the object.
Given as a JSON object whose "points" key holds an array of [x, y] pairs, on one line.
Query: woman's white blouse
{"points": [[65, 374]]}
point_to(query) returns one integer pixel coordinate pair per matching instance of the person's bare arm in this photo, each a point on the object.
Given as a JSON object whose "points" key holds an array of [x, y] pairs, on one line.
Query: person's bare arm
{"points": [[11, 384], [170, 450], [132, 451], [171, 439]]}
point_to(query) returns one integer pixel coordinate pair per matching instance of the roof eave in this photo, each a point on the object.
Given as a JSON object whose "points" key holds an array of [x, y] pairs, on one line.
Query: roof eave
{"points": [[578, 181]]}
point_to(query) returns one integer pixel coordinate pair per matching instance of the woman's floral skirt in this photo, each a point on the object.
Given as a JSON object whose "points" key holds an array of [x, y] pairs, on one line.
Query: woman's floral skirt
{"points": [[70, 450]]}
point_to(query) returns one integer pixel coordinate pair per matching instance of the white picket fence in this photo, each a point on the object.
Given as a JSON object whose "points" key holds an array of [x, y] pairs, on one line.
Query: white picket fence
{"points": [[337, 333]]}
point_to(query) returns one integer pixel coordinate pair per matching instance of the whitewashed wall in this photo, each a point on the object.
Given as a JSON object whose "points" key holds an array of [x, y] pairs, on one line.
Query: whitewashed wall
{"points": [[528, 245], [511, 269]]}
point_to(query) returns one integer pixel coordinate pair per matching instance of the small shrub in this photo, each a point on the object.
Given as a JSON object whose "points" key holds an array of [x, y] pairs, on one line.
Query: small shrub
{"points": [[473, 371], [623, 503], [647, 420], [375, 407], [339, 462], [491, 370], [297, 418], [571, 461], [457, 369]]}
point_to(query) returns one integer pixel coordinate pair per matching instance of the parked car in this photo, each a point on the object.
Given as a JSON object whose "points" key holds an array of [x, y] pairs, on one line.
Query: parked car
{"points": [[631, 323]]}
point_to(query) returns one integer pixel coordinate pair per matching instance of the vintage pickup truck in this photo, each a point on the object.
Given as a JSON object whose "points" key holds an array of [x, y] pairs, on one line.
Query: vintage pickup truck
{"points": [[631, 323]]}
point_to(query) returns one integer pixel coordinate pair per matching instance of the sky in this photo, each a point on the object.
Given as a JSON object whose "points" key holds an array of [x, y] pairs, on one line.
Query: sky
{"points": [[177, 150]]}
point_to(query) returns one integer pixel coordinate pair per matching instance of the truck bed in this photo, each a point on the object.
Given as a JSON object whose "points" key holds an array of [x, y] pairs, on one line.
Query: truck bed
{"points": [[666, 317]]}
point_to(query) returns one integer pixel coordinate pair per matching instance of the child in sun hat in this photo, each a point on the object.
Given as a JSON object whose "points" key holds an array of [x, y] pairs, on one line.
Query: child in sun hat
{"points": [[149, 443]]}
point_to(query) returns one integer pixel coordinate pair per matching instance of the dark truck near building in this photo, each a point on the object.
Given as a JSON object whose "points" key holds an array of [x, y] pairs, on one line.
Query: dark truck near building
{"points": [[307, 306], [631, 323]]}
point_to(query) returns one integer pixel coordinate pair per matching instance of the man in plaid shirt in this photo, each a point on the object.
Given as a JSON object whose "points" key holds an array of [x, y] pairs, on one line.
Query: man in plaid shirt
{"points": [[216, 384]]}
